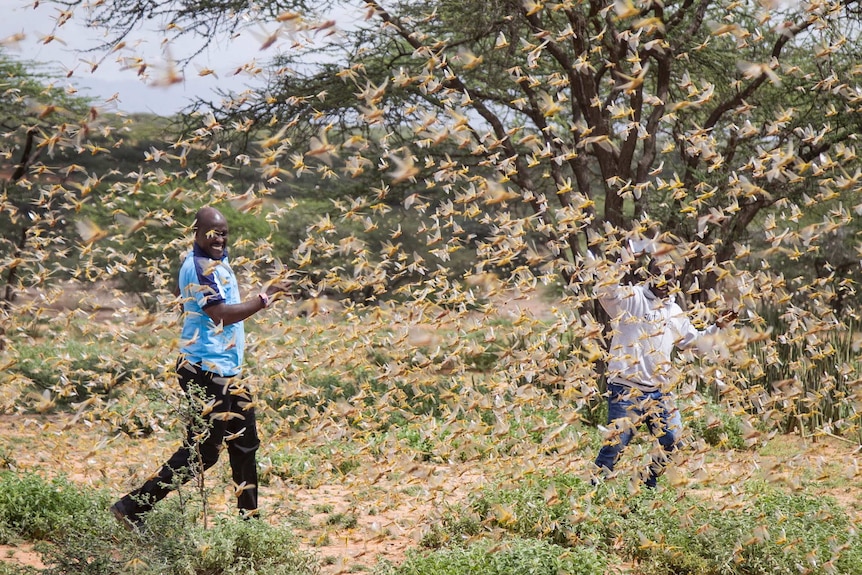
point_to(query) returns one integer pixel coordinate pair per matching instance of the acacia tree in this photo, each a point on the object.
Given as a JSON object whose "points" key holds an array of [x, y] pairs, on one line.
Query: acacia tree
{"points": [[701, 114], [693, 116], [38, 121]]}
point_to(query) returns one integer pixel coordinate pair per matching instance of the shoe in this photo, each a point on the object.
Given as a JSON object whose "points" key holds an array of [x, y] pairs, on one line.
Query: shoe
{"points": [[131, 521]]}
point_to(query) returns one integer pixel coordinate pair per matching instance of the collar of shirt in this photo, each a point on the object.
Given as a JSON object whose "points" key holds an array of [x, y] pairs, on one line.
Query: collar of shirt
{"points": [[200, 253]]}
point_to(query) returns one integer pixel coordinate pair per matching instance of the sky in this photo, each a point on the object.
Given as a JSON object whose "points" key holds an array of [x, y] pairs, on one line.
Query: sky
{"points": [[69, 52]]}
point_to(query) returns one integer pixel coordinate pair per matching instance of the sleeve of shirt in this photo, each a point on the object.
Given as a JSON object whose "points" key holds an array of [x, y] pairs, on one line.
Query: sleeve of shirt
{"points": [[617, 299], [686, 334], [206, 290]]}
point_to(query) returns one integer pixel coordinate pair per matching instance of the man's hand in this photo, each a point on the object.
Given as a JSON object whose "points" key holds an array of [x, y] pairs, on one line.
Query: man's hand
{"points": [[726, 318], [278, 289]]}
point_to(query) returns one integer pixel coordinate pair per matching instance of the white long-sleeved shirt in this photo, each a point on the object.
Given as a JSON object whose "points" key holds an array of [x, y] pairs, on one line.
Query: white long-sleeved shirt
{"points": [[646, 329]]}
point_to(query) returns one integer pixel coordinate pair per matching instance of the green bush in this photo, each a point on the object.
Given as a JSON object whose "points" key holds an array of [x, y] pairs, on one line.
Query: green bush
{"points": [[16, 569], [369, 396], [456, 528], [718, 428], [557, 508], [307, 467], [75, 371], [509, 557], [771, 533], [233, 547], [35, 508], [140, 415], [80, 536], [763, 532], [172, 544]]}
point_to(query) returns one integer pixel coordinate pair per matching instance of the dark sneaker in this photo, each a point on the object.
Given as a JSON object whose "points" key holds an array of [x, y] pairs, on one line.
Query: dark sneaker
{"points": [[131, 521]]}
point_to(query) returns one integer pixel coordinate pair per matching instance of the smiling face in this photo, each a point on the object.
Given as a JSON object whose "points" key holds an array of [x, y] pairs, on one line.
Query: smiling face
{"points": [[211, 232]]}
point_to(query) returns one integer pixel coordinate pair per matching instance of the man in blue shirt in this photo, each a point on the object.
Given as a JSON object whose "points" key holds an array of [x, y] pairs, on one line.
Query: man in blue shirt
{"points": [[211, 359]]}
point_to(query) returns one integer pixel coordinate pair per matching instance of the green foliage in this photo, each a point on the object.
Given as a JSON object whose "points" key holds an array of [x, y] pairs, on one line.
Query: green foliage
{"points": [[81, 537], [307, 466], [172, 544], [302, 468], [769, 532], [506, 557], [342, 520], [32, 109], [417, 441], [141, 414], [340, 249], [458, 526], [717, 427], [26, 88], [35, 508], [556, 508], [15, 569], [237, 547], [74, 371], [764, 531], [364, 396]]}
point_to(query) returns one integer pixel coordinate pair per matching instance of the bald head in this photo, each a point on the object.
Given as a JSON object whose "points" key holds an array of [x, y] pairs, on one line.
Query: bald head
{"points": [[208, 216]]}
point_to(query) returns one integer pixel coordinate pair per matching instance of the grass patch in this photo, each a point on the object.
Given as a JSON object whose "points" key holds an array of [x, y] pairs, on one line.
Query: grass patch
{"points": [[76, 371], [308, 467], [170, 545], [16, 569], [508, 557], [765, 533], [558, 508], [76, 534], [34, 508]]}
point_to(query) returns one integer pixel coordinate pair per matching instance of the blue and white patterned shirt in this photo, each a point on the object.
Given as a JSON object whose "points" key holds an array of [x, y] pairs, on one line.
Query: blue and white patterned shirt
{"points": [[212, 347]]}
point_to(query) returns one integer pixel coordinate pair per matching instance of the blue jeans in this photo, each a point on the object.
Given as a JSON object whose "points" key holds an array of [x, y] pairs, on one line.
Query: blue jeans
{"points": [[628, 408]]}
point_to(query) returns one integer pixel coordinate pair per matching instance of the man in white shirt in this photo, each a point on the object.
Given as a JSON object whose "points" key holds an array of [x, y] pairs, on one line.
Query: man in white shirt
{"points": [[647, 325]]}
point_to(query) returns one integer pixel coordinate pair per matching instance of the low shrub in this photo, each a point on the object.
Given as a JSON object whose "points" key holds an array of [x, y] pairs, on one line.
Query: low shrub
{"points": [[77, 535], [560, 509], [172, 544], [766, 533], [12, 568], [507, 557], [718, 428], [457, 527], [309, 466], [34, 508], [237, 547], [75, 372]]}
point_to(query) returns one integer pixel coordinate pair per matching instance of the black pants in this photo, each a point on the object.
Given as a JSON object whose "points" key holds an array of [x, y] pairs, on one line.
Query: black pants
{"points": [[229, 418]]}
